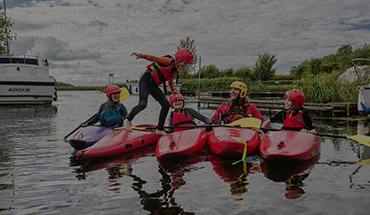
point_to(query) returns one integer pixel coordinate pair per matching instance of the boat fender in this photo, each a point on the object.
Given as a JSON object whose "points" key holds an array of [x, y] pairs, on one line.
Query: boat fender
{"points": [[281, 145]]}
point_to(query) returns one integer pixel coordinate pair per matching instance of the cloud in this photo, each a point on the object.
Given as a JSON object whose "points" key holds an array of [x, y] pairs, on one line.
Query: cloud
{"points": [[95, 38]]}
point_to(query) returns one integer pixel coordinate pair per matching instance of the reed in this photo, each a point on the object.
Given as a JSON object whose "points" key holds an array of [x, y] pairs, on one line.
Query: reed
{"points": [[325, 88]]}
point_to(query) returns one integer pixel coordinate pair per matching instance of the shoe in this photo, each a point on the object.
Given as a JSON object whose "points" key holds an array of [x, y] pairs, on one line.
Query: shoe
{"points": [[128, 124], [160, 132]]}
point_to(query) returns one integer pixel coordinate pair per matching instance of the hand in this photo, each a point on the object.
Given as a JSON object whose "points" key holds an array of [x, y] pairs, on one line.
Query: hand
{"points": [[313, 131], [137, 55], [266, 124]]}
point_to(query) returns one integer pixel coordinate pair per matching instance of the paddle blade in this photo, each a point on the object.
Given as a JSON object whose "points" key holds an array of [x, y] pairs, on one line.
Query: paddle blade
{"points": [[124, 94], [247, 123], [365, 140]]}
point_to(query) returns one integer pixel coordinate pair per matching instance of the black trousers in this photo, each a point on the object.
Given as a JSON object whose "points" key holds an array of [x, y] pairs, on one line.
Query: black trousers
{"points": [[147, 87]]}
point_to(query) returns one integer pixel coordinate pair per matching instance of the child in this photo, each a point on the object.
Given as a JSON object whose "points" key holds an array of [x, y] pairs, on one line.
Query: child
{"points": [[182, 116], [161, 70], [111, 113], [294, 116], [238, 107]]}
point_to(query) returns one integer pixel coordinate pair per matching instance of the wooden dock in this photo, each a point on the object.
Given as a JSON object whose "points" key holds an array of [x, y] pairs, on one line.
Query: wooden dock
{"points": [[271, 106]]}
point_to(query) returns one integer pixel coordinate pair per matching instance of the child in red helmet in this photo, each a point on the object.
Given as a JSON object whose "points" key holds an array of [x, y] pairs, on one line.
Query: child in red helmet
{"points": [[111, 113], [161, 70], [183, 116], [294, 116]]}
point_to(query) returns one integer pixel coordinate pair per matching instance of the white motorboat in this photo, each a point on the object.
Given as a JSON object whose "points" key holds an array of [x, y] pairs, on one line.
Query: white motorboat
{"points": [[364, 90], [25, 80]]}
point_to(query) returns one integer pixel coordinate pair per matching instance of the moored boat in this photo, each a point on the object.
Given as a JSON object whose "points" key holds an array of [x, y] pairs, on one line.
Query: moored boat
{"points": [[289, 145], [25, 80], [119, 142], [232, 141], [181, 143]]}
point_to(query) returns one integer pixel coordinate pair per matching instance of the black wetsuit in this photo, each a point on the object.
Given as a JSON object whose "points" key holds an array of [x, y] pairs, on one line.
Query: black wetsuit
{"points": [[147, 86]]}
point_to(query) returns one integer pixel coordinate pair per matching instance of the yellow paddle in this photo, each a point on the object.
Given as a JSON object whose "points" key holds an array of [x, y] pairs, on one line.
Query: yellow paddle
{"points": [[248, 122], [124, 94]]}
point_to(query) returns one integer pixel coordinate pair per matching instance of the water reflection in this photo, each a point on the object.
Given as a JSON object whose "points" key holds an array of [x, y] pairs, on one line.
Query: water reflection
{"points": [[159, 202], [18, 127], [235, 173], [291, 172], [117, 166]]}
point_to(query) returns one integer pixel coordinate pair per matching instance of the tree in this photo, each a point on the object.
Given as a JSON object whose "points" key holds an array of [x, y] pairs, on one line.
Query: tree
{"points": [[5, 32], [189, 44], [209, 71], [263, 68], [244, 73]]}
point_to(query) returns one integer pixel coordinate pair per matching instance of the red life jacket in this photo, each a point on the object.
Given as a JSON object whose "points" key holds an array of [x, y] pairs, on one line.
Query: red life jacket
{"points": [[294, 121], [182, 118], [162, 73], [230, 113]]}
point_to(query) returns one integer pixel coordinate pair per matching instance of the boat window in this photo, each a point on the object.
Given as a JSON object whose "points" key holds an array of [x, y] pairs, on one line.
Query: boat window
{"points": [[19, 61], [32, 61], [4, 60]]}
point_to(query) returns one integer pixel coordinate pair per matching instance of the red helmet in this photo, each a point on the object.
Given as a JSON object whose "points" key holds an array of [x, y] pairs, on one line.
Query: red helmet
{"points": [[184, 55], [296, 96], [111, 89], [176, 97]]}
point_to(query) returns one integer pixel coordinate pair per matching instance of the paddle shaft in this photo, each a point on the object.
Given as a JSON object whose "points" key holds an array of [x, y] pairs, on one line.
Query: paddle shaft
{"points": [[318, 134], [196, 126]]}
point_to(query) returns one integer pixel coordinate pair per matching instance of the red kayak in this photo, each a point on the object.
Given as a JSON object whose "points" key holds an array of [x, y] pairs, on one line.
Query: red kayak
{"points": [[231, 142], [289, 145], [120, 141], [181, 143]]}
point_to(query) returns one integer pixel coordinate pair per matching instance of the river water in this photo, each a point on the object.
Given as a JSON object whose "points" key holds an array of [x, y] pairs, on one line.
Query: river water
{"points": [[38, 177]]}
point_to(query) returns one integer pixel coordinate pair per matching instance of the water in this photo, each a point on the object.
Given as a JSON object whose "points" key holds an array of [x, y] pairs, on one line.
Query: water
{"points": [[36, 176]]}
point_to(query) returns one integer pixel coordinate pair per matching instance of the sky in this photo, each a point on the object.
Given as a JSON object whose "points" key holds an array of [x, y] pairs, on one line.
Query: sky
{"points": [[86, 40]]}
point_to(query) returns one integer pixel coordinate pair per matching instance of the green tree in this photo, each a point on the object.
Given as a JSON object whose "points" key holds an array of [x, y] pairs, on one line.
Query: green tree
{"points": [[263, 67], [210, 71], [244, 73], [5, 32], [189, 44]]}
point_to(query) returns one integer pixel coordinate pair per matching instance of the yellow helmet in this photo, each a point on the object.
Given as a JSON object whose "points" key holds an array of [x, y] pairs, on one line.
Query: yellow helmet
{"points": [[241, 86]]}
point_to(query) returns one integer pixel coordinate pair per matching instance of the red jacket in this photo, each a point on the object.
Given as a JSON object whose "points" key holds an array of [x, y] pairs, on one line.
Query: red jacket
{"points": [[230, 113]]}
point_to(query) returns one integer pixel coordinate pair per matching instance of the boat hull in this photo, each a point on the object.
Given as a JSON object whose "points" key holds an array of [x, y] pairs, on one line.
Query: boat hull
{"points": [[231, 142], [181, 144], [119, 142], [87, 136], [289, 145]]}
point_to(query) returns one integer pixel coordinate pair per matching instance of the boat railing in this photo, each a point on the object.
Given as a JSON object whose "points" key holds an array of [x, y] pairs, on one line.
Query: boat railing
{"points": [[25, 59], [353, 61]]}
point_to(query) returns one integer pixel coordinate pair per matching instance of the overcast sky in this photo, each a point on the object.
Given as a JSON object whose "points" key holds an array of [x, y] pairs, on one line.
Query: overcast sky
{"points": [[86, 40]]}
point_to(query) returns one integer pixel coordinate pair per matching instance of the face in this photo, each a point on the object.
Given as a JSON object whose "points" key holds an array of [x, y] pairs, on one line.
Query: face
{"points": [[178, 104], [180, 65], [234, 93], [116, 96], [289, 104]]}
